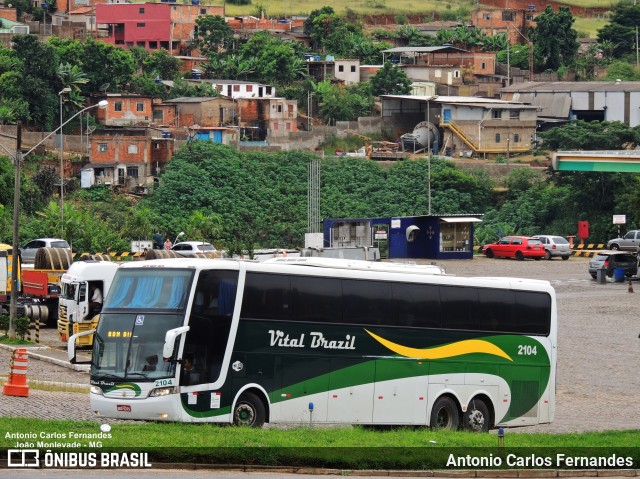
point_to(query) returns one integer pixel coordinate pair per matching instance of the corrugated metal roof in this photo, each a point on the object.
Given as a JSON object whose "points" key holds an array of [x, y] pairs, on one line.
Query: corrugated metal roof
{"points": [[556, 105], [193, 99], [555, 87], [424, 49]]}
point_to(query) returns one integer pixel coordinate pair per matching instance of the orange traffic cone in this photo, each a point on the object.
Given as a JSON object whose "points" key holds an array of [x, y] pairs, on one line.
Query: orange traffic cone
{"points": [[16, 384]]}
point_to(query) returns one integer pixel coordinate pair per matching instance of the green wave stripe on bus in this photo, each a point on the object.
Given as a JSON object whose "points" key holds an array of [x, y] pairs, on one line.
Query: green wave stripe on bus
{"points": [[133, 386], [527, 376]]}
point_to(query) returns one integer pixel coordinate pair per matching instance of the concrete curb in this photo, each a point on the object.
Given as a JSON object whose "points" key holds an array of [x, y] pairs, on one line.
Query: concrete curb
{"points": [[498, 473], [84, 368]]}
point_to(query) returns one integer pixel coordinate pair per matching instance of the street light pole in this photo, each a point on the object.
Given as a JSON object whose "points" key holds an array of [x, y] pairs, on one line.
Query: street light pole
{"points": [[63, 91], [17, 158]]}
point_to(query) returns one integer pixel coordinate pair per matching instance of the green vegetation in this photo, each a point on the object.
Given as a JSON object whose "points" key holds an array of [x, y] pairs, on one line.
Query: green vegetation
{"points": [[339, 447]]}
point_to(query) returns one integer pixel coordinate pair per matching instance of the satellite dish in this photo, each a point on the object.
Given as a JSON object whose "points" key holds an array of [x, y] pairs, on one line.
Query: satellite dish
{"points": [[104, 87]]}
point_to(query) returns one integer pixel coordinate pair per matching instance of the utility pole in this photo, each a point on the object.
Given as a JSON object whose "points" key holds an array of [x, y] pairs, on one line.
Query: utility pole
{"points": [[13, 303]]}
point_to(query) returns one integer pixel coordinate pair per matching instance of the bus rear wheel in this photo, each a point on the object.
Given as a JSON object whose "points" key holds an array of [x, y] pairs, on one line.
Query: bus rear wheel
{"points": [[476, 418], [249, 411], [444, 414]]}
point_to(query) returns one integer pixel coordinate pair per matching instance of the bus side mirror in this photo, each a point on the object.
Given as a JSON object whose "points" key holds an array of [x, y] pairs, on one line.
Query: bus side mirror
{"points": [[170, 341], [71, 347]]}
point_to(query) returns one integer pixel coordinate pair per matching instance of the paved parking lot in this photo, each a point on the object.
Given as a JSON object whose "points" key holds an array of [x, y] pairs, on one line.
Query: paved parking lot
{"points": [[598, 362]]}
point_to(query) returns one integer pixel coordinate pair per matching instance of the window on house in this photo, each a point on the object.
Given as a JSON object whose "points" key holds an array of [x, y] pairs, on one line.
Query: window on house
{"points": [[119, 42], [158, 115], [141, 10], [497, 137], [514, 114], [483, 66], [288, 126], [236, 87], [132, 171], [340, 68], [139, 106], [456, 74], [516, 138], [203, 11], [102, 147], [496, 114], [153, 45], [249, 88], [140, 25], [529, 17], [486, 16], [353, 68], [164, 45], [279, 108], [268, 90], [117, 106], [508, 16], [132, 149], [140, 44]]}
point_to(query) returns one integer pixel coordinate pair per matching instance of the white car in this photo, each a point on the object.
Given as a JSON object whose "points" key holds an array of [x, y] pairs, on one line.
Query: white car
{"points": [[28, 251], [555, 246], [193, 249]]}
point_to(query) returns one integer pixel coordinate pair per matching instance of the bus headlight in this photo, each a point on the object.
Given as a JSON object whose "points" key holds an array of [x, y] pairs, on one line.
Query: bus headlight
{"points": [[96, 390], [163, 391]]}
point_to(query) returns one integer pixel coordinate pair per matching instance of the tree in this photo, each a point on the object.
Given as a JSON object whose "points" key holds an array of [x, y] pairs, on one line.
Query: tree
{"points": [[555, 40], [161, 64], [594, 135], [622, 70], [214, 35], [390, 80], [272, 59], [621, 29]]}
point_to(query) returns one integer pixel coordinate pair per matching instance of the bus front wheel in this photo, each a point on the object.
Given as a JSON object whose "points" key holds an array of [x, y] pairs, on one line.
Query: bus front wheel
{"points": [[476, 418], [444, 414], [249, 411]]}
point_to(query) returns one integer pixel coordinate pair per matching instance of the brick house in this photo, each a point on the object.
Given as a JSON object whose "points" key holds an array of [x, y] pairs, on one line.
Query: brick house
{"points": [[152, 26], [514, 22], [239, 88], [477, 63], [132, 109], [343, 70], [203, 111], [127, 157], [268, 116]]}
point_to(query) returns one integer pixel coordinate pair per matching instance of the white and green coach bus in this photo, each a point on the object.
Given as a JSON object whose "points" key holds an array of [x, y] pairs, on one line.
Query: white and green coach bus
{"points": [[323, 341]]}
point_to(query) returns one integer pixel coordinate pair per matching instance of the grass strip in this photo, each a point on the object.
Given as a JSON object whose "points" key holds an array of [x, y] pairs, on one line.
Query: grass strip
{"points": [[331, 447]]}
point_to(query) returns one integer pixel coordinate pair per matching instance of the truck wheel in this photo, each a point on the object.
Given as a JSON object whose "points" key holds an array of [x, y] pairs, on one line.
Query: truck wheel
{"points": [[249, 411], [477, 417], [445, 415]]}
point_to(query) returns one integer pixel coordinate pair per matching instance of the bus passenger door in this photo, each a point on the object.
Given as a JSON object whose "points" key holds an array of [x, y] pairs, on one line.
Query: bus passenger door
{"points": [[351, 391], [400, 395]]}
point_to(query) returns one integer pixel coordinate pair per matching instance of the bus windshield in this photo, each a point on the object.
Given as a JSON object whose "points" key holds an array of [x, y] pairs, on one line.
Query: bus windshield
{"points": [[149, 288], [129, 346]]}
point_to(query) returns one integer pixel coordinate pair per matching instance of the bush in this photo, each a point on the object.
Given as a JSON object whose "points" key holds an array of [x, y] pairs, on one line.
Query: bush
{"points": [[22, 327], [4, 324]]}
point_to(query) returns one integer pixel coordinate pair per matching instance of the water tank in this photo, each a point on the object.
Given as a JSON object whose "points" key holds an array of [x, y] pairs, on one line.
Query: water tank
{"points": [[195, 2], [425, 135], [330, 58]]}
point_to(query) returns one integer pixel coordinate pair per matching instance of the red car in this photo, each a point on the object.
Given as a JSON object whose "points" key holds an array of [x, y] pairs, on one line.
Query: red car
{"points": [[518, 247]]}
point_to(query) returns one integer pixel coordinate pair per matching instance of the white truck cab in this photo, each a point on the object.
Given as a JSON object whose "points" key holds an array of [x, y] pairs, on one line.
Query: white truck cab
{"points": [[73, 309]]}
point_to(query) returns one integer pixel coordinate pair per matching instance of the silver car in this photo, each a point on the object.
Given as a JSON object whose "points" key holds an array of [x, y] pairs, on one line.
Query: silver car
{"points": [[28, 251], [555, 246], [629, 242]]}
